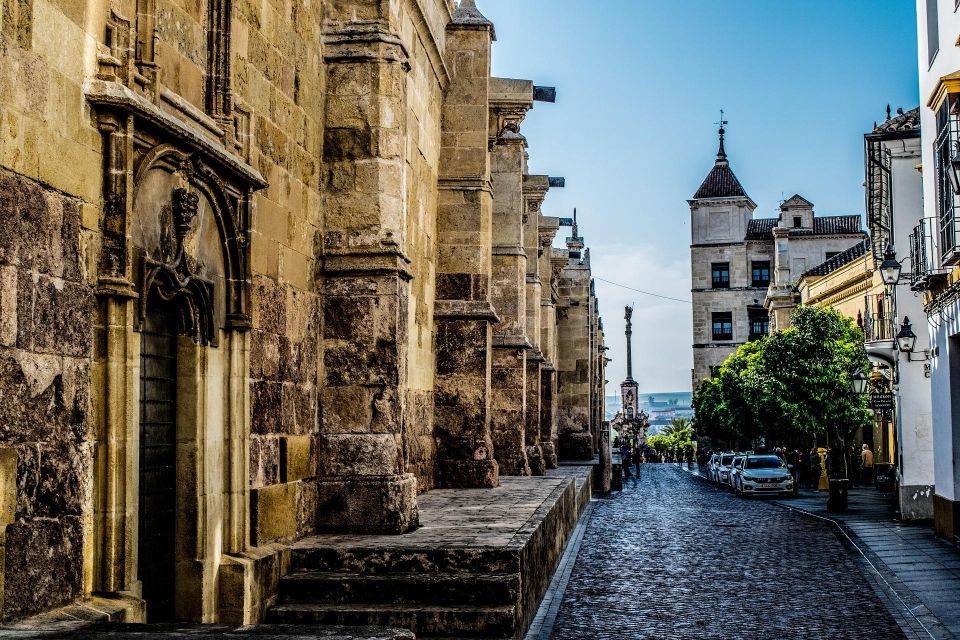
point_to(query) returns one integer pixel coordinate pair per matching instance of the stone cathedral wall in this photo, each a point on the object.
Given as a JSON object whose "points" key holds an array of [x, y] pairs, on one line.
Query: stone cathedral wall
{"points": [[332, 333]]}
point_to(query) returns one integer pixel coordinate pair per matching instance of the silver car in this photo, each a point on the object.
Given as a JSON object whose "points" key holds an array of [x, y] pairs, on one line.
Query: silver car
{"points": [[762, 474]]}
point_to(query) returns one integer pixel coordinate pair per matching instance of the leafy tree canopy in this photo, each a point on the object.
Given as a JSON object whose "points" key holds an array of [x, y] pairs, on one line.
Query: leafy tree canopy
{"points": [[796, 380]]}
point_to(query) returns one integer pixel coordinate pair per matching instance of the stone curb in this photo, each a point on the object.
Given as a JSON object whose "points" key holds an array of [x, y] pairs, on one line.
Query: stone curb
{"points": [[542, 626]]}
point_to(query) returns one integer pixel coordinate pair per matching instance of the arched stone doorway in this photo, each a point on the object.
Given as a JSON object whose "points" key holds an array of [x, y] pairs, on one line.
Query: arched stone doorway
{"points": [[171, 492]]}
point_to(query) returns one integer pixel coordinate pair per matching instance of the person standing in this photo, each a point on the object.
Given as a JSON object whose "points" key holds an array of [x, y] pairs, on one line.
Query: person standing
{"points": [[625, 461], [637, 458], [866, 459]]}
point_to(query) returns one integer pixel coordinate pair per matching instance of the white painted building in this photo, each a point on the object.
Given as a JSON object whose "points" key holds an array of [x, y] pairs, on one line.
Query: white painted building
{"points": [[894, 197], [935, 252]]}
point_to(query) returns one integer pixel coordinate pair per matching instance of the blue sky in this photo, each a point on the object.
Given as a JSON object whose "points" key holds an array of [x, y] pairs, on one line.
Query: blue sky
{"points": [[640, 85]]}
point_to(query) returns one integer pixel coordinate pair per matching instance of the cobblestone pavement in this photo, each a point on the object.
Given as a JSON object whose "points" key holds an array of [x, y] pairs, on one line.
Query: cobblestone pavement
{"points": [[673, 557]]}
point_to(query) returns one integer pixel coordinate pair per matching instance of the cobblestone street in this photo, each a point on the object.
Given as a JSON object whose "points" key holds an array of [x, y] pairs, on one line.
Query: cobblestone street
{"points": [[673, 557]]}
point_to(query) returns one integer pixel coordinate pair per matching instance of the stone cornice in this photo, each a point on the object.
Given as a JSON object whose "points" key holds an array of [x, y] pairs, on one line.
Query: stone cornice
{"points": [[364, 262], [511, 342], [363, 41], [465, 183], [105, 94], [465, 310], [508, 250]]}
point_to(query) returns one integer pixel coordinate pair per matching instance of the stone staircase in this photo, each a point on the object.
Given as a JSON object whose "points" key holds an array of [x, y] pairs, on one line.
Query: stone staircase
{"points": [[478, 568], [465, 593]]}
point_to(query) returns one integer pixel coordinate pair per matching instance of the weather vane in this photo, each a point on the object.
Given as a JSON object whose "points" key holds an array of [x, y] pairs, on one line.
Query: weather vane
{"points": [[722, 122]]}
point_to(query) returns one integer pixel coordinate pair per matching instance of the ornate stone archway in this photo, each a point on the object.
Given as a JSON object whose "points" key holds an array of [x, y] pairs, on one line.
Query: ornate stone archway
{"points": [[175, 229]]}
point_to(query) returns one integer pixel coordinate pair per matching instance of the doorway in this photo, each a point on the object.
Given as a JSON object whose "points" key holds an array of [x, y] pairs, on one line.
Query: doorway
{"points": [[158, 479]]}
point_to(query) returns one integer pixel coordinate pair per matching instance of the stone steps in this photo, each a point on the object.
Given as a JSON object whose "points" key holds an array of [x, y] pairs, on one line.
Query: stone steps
{"points": [[425, 621], [399, 588]]}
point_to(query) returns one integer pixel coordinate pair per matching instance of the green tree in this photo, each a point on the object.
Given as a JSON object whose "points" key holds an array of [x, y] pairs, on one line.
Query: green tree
{"points": [[797, 380]]}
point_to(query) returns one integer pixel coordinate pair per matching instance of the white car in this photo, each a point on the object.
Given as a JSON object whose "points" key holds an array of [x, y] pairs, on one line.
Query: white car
{"points": [[724, 465], [735, 467], [712, 464], [762, 474]]}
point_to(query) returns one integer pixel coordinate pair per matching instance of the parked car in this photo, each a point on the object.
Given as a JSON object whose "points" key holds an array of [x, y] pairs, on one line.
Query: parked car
{"points": [[735, 467], [712, 464], [762, 474], [722, 475]]}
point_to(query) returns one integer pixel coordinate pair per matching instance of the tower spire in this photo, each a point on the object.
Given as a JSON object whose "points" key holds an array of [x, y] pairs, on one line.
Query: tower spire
{"points": [[628, 316], [721, 152]]}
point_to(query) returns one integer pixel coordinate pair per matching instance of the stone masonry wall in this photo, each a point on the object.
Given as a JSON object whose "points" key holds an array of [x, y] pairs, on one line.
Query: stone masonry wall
{"points": [[279, 79], [49, 187], [45, 346]]}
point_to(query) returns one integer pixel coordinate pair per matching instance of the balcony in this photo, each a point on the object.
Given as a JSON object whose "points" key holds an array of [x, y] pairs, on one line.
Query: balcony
{"points": [[880, 337], [924, 269]]}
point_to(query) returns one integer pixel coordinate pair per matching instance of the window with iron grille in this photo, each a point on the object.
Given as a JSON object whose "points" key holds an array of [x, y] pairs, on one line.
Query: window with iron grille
{"points": [[944, 150], [760, 273], [723, 325], [721, 275]]}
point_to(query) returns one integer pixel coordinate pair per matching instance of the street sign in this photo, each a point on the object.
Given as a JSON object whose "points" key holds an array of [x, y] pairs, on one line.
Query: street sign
{"points": [[879, 401]]}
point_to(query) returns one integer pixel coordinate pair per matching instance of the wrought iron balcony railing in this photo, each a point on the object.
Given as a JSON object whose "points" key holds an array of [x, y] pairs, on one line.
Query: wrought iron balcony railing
{"points": [[877, 327], [924, 267]]}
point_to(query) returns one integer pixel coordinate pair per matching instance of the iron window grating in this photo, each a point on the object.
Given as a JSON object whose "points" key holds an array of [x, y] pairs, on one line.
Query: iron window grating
{"points": [[945, 150]]}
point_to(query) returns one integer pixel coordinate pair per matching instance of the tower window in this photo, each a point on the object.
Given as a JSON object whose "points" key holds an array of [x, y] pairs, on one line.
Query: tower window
{"points": [[723, 325], [721, 275]]}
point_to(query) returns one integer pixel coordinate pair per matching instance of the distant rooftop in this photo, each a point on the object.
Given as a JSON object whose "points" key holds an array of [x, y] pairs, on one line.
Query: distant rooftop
{"points": [[903, 121], [844, 258]]}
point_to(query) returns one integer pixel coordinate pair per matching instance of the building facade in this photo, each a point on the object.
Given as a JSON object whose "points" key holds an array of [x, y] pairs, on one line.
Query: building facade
{"points": [[745, 269], [269, 270], [935, 247]]}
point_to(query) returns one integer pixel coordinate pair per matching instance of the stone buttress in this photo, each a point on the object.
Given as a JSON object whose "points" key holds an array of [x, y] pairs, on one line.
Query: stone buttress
{"points": [[464, 314]]}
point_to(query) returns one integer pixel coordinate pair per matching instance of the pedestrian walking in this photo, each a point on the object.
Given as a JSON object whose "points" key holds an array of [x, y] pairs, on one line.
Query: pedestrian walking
{"points": [[814, 468], [866, 459], [637, 459], [625, 461]]}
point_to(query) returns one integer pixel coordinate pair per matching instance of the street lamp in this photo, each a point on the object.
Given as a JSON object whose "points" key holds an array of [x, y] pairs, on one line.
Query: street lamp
{"points": [[906, 338], [860, 383], [890, 268], [954, 174]]}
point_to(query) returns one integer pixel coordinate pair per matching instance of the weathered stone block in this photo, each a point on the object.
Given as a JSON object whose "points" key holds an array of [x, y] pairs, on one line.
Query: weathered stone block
{"points": [[43, 565], [52, 480], [53, 316], [368, 504], [366, 454], [273, 512], [8, 485], [295, 458]]}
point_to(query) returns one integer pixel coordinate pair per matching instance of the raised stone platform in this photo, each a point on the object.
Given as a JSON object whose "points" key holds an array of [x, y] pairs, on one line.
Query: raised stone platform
{"points": [[113, 631], [478, 566]]}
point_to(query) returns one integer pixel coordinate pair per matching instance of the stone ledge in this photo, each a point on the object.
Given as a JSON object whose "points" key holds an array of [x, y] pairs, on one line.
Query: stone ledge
{"points": [[213, 632]]}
